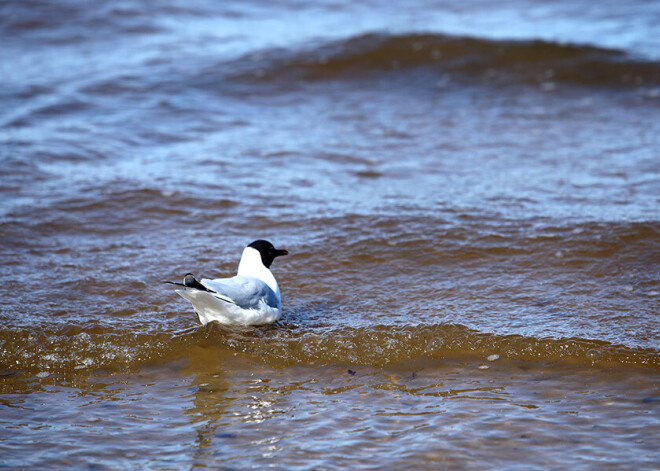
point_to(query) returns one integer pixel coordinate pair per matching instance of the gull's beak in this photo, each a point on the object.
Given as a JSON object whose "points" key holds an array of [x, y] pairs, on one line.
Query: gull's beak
{"points": [[281, 252]]}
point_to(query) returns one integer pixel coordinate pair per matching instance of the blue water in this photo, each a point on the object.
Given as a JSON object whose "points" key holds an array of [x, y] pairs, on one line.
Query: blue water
{"points": [[455, 182]]}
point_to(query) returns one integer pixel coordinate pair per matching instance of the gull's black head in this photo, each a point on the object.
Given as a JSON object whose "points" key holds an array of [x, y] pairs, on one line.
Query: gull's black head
{"points": [[267, 251]]}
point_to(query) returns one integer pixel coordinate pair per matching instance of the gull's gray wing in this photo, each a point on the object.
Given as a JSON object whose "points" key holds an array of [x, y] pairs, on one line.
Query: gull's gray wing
{"points": [[244, 291]]}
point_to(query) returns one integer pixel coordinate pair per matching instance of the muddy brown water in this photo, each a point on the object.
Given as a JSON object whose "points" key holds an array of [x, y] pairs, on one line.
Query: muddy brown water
{"points": [[471, 201]]}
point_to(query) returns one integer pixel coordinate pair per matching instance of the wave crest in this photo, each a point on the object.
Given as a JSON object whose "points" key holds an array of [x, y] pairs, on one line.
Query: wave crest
{"points": [[492, 60], [71, 349]]}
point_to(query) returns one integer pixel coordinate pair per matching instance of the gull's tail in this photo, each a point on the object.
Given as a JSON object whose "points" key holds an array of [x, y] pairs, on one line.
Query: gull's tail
{"points": [[173, 283], [189, 281]]}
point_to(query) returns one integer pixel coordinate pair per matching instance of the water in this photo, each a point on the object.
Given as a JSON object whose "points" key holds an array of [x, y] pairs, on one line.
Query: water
{"points": [[470, 194]]}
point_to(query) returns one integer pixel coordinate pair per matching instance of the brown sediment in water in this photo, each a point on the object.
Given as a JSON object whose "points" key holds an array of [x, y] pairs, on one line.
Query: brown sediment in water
{"points": [[470, 58], [75, 349], [470, 204], [235, 410]]}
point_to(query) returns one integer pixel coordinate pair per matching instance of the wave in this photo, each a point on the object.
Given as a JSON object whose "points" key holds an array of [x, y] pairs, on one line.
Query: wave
{"points": [[495, 61], [70, 22], [99, 303], [73, 348], [101, 211]]}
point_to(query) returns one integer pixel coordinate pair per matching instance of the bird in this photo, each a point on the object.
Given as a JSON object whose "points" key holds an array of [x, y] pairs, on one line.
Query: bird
{"points": [[250, 298]]}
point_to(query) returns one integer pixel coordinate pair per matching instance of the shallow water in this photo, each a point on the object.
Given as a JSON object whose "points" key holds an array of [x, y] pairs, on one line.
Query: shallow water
{"points": [[213, 408], [470, 195]]}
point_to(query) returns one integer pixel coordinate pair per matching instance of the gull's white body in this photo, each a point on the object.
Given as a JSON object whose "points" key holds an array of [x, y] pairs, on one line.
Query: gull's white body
{"points": [[252, 297]]}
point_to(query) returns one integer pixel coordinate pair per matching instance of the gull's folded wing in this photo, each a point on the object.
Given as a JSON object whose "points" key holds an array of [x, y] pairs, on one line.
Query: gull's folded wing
{"points": [[244, 291]]}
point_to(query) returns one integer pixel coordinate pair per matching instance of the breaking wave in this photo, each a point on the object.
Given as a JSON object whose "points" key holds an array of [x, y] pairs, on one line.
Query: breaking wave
{"points": [[74, 348]]}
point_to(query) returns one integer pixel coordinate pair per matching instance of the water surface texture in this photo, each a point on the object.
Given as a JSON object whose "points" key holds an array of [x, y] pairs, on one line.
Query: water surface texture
{"points": [[470, 194]]}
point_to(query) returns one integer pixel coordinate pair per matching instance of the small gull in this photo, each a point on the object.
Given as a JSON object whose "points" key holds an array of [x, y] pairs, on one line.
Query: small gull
{"points": [[252, 297]]}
